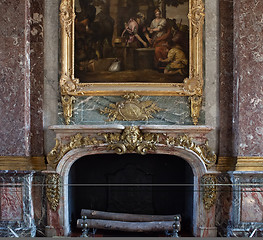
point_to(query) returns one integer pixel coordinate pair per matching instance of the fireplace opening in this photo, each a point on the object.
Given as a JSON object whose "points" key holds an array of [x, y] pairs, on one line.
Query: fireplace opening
{"points": [[156, 184]]}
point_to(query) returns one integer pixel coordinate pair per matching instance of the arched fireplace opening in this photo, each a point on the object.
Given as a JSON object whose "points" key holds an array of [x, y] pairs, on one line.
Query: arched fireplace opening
{"points": [[156, 184]]}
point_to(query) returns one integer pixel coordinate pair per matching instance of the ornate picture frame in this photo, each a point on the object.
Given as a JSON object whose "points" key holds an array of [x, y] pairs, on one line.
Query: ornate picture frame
{"points": [[192, 86]]}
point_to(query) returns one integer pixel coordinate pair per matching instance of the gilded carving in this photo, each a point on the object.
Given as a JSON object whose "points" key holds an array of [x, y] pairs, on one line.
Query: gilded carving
{"points": [[53, 183], [60, 149], [196, 105], [197, 16], [67, 16], [67, 103], [209, 182], [202, 150], [131, 140], [131, 109]]}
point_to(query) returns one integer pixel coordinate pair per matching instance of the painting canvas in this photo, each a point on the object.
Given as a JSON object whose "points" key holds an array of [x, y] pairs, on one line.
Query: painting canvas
{"points": [[131, 41]]}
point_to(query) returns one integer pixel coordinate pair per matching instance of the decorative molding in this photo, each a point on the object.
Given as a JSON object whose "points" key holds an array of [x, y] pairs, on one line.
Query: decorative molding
{"points": [[22, 163], [131, 109], [202, 150], [226, 164], [248, 163], [209, 190], [131, 139], [53, 183]]}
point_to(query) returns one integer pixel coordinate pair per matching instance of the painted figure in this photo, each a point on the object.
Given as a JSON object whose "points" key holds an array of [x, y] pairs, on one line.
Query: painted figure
{"points": [[137, 31], [160, 36], [176, 59]]}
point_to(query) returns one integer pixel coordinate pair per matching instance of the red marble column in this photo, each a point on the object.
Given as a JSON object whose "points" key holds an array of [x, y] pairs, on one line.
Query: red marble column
{"points": [[248, 68], [226, 78], [22, 77]]}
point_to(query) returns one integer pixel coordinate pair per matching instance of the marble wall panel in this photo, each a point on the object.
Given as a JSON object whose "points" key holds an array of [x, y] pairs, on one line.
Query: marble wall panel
{"points": [[11, 206], [226, 77], [252, 205], [13, 76], [36, 77], [176, 110], [248, 67], [21, 74]]}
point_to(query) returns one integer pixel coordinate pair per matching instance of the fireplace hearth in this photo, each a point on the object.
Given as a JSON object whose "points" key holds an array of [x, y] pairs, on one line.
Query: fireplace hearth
{"points": [[160, 170], [131, 183]]}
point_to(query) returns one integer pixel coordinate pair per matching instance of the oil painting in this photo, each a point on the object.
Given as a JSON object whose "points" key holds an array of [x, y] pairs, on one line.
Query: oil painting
{"points": [[124, 41]]}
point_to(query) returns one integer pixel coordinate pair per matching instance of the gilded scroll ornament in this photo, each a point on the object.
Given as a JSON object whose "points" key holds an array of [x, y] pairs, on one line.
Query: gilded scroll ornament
{"points": [[196, 105], [53, 183], [209, 190], [67, 104], [202, 150], [131, 109], [131, 140], [60, 149]]}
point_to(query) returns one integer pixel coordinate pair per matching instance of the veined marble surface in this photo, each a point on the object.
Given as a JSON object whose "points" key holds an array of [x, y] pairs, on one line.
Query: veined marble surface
{"points": [[176, 111]]}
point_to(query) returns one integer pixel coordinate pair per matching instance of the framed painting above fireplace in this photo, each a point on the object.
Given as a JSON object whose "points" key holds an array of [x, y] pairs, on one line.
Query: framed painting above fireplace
{"points": [[113, 47]]}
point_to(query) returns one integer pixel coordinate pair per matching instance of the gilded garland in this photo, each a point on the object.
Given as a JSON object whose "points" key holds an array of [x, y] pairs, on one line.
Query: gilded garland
{"points": [[191, 86], [209, 182], [53, 183]]}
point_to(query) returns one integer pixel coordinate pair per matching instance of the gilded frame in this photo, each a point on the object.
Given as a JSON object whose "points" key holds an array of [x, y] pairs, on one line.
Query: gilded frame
{"points": [[191, 87]]}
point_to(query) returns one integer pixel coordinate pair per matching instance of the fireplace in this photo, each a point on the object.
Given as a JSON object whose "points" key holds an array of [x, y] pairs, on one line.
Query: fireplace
{"points": [[156, 184], [162, 169]]}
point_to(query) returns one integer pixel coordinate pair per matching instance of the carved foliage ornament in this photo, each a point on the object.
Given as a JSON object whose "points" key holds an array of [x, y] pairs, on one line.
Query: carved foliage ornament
{"points": [[202, 150], [131, 109], [209, 190], [53, 183], [60, 149]]}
